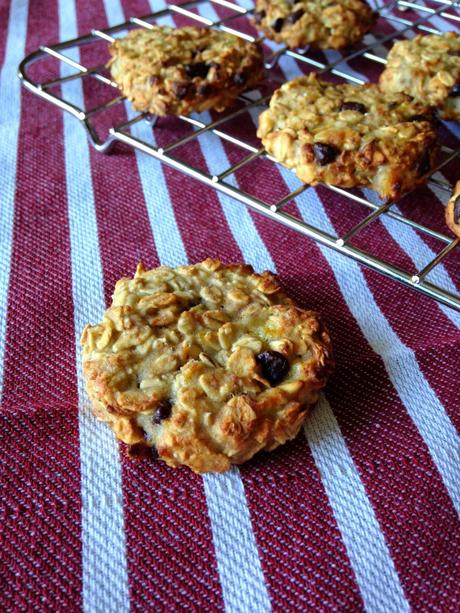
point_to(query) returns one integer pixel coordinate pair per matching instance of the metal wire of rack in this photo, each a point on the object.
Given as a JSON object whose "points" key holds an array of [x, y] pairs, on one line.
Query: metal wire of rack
{"points": [[420, 19]]}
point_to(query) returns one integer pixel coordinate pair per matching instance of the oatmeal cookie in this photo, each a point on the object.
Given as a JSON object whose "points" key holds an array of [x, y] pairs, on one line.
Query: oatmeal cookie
{"points": [[453, 211], [169, 71], [206, 364], [350, 135], [324, 24], [428, 69]]}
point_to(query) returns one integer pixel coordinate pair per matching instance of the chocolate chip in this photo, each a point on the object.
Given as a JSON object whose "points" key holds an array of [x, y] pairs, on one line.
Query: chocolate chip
{"points": [[277, 25], [203, 89], [163, 411], [396, 187], [273, 364], [454, 53], [455, 91], [353, 106], [239, 78], [199, 69], [259, 15], [180, 90], [138, 451], [424, 166], [324, 153], [293, 17], [418, 118]]}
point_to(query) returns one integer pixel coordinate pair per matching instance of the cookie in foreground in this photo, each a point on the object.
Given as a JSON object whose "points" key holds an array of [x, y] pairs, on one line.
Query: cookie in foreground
{"points": [[207, 364], [453, 210], [169, 71], [350, 135], [427, 68], [323, 24]]}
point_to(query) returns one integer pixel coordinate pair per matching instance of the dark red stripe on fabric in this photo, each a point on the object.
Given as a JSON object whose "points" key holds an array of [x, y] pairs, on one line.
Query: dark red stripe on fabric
{"points": [[169, 541], [41, 548], [303, 556], [171, 559], [4, 19], [383, 440], [124, 231], [439, 365]]}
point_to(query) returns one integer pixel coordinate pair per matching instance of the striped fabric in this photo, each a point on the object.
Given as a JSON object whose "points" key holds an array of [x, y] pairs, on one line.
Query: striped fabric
{"points": [[360, 512]]}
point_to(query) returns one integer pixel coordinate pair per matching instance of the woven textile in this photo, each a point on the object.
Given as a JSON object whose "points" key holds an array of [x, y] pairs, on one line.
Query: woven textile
{"points": [[359, 512]]}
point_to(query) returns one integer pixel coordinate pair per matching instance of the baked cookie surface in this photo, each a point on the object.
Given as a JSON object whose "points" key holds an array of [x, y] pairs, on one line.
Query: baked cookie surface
{"points": [[453, 210], [427, 68], [324, 24], [207, 364], [169, 71], [350, 135]]}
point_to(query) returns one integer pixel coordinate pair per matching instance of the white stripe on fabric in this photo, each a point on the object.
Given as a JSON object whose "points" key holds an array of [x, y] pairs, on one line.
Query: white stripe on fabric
{"points": [[357, 522], [170, 251], [352, 509], [10, 117], [105, 580], [235, 544], [441, 23], [236, 552]]}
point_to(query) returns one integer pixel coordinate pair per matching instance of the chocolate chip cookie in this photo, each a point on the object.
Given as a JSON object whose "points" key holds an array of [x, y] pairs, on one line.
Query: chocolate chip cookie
{"points": [[427, 68], [205, 364], [453, 211], [350, 135], [169, 71], [324, 24]]}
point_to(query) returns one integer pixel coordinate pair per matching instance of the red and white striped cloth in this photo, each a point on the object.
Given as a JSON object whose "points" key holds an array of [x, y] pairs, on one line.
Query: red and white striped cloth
{"points": [[359, 512]]}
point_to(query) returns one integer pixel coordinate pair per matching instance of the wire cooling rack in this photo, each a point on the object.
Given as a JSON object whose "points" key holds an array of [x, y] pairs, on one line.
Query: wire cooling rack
{"points": [[405, 18]]}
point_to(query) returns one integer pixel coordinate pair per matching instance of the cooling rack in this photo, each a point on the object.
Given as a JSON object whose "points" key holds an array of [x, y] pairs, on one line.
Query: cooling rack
{"points": [[405, 17]]}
